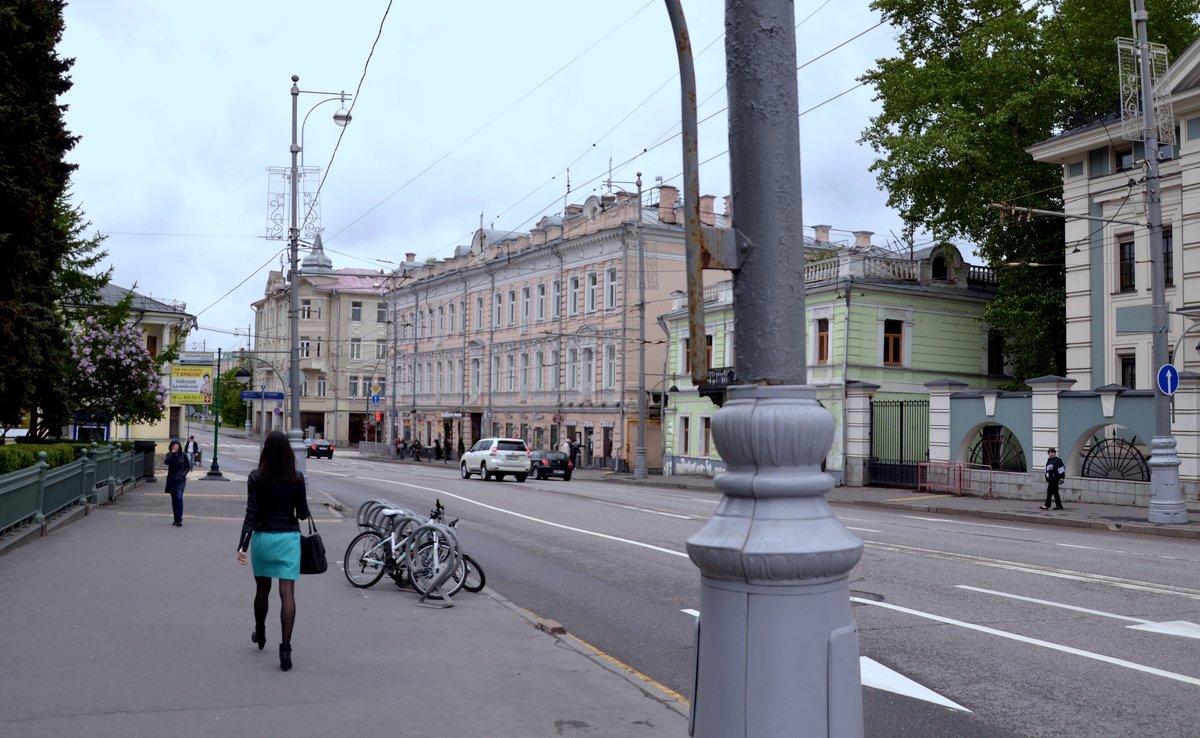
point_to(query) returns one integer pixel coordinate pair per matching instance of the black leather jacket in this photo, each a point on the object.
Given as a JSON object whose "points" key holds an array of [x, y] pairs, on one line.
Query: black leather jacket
{"points": [[272, 508]]}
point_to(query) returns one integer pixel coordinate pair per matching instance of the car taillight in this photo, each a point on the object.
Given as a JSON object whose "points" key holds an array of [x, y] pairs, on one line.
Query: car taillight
{"points": [[569, 465]]}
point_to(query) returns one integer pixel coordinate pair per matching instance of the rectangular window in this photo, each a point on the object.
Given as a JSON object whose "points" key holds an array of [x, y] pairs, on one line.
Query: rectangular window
{"points": [[497, 310], [589, 370], [441, 331], [555, 376], [687, 356], [437, 379], [823, 340], [1129, 371], [1125, 264], [512, 307], [893, 342], [322, 385], [995, 353], [432, 325], [304, 346], [556, 302], [685, 441], [524, 373], [610, 289], [451, 318], [355, 348], [495, 373], [541, 302], [305, 308], [610, 367], [1168, 256], [304, 386], [573, 297], [525, 303], [152, 346], [539, 371], [353, 386], [1124, 158], [476, 379], [381, 312], [380, 348], [707, 439], [478, 313], [510, 376], [572, 372], [356, 311], [593, 290]]}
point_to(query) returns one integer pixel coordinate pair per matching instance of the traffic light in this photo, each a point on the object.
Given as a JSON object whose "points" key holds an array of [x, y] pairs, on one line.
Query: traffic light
{"points": [[378, 415]]}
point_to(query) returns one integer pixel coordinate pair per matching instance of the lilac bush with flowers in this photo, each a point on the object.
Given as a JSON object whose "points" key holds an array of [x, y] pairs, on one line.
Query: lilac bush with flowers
{"points": [[114, 374]]}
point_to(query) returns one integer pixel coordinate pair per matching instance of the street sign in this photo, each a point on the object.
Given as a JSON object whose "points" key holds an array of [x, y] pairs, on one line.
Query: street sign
{"points": [[1168, 379], [557, 419], [375, 399], [256, 395]]}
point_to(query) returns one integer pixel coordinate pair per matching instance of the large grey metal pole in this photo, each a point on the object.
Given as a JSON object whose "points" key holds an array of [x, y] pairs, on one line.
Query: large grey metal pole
{"points": [[639, 464], [777, 648], [294, 435], [1166, 499]]}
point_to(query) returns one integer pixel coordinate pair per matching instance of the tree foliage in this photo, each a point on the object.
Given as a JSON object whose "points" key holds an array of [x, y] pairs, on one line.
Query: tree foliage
{"points": [[113, 375], [33, 237], [974, 84]]}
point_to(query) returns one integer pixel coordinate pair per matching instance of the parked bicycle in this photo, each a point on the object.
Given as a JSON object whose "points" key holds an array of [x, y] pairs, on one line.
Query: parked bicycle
{"points": [[420, 553]]}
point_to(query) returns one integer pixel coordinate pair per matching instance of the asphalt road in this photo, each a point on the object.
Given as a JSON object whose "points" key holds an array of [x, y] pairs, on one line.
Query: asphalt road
{"points": [[1030, 630]]}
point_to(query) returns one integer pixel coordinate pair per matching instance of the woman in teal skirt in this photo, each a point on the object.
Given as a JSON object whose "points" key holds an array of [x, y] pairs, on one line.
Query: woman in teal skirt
{"points": [[275, 505]]}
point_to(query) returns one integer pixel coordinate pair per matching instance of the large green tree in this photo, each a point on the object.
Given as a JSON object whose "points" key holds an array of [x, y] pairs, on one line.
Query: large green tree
{"points": [[976, 82], [34, 238]]}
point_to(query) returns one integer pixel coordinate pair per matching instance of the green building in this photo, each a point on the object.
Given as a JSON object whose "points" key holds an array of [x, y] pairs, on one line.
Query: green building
{"points": [[878, 326]]}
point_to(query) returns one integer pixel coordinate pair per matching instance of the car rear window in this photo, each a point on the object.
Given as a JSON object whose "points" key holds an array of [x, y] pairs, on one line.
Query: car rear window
{"points": [[510, 445], [556, 455]]}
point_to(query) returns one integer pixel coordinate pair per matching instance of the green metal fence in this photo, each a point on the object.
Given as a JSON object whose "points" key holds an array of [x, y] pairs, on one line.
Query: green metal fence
{"points": [[33, 494]]}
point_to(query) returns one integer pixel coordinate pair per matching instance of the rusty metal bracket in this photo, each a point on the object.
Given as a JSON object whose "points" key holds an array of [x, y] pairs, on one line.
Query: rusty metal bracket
{"points": [[719, 248]]}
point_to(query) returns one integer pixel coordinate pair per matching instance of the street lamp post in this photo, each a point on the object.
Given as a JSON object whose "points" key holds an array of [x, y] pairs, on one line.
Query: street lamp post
{"points": [[341, 117], [243, 378], [214, 472]]}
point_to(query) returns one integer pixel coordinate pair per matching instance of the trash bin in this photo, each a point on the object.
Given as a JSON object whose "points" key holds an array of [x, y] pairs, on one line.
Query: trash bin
{"points": [[148, 465]]}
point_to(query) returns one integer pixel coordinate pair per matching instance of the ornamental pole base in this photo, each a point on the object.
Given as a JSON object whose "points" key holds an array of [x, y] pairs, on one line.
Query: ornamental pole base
{"points": [[1167, 506]]}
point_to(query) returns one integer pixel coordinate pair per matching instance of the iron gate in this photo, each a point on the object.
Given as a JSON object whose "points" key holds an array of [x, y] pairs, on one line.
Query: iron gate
{"points": [[899, 441]]}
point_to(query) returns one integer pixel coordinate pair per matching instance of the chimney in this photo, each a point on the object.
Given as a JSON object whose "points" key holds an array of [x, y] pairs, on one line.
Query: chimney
{"points": [[707, 215], [573, 210], [862, 239], [410, 256], [667, 197], [821, 233], [728, 209]]}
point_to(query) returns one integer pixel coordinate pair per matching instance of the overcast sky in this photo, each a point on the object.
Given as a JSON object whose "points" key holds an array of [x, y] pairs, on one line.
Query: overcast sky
{"points": [[476, 111]]}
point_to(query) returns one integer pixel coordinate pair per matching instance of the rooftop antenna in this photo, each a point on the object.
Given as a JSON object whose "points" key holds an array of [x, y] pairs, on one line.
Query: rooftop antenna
{"points": [[568, 192]]}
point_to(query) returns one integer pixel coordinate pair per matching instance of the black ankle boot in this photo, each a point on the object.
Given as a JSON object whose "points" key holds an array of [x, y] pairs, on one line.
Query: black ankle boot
{"points": [[259, 636], [285, 657]]}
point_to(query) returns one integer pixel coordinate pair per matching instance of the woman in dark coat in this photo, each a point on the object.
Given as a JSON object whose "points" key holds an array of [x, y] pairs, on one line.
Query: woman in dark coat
{"points": [[178, 465], [275, 505]]}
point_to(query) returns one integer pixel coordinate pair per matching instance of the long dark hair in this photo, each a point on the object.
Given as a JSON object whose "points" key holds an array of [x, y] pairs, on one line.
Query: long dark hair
{"points": [[277, 462]]}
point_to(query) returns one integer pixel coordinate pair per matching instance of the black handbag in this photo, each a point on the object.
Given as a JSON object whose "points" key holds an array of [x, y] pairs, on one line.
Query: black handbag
{"points": [[312, 551]]}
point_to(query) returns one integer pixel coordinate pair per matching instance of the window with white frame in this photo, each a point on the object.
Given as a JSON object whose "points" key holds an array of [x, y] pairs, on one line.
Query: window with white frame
{"points": [[458, 375], [572, 369], [524, 373], [610, 288], [356, 348], [495, 374], [893, 342], [556, 300], [610, 367], [593, 292], [322, 385], [541, 302], [685, 439], [589, 370], [441, 320], [510, 376], [706, 440], [573, 297], [416, 378], [381, 382], [353, 385], [497, 309], [437, 379], [478, 313], [475, 376], [305, 308], [380, 348], [555, 370], [432, 325], [356, 311], [452, 322], [539, 371], [305, 344], [381, 312], [304, 385], [525, 305], [512, 307]]}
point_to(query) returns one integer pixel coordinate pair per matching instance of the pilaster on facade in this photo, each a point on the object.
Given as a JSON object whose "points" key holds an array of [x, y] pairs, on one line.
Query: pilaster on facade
{"points": [[940, 438], [1044, 405]]}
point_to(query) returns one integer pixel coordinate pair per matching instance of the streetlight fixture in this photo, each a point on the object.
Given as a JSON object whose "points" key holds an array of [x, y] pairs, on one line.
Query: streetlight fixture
{"points": [[341, 118]]}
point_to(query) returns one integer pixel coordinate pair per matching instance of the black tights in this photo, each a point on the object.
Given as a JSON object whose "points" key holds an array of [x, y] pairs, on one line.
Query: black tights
{"points": [[287, 606]]}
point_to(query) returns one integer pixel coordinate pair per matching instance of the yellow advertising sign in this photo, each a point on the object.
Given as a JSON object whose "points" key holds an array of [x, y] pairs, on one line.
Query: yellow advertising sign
{"points": [[191, 385]]}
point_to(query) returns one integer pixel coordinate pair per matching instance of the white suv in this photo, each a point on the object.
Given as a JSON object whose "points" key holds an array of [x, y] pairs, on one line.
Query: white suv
{"points": [[494, 457]]}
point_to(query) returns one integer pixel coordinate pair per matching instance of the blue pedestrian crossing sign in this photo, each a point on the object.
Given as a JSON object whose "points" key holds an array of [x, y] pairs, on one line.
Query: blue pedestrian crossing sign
{"points": [[1168, 379]]}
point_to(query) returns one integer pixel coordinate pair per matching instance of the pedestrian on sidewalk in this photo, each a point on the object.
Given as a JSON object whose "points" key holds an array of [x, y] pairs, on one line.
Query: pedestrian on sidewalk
{"points": [[446, 449], [416, 449], [178, 465], [192, 449], [275, 505], [1056, 472]]}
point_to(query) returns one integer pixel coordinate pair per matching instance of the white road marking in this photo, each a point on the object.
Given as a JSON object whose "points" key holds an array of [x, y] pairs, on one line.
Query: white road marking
{"points": [[1035, 642], [530, 518], [647, 510], [962, 522], [1116, 550], [876, 675], [1181, 628], [862, 530], [709, 500], [328, 473], [1046, 571]]}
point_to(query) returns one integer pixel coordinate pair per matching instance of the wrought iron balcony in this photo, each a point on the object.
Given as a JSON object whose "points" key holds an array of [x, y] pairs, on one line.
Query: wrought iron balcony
{"points": [[719, 380]]}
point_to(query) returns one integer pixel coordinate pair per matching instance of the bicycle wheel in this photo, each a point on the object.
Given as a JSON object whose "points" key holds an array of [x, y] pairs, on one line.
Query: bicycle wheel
{"points": [[364, 561], [423, 570], [473, 579]]}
